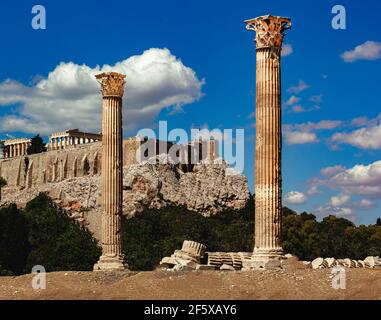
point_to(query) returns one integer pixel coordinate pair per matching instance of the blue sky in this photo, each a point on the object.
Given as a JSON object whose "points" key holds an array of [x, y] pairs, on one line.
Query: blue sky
{"points": [[331, 104]]}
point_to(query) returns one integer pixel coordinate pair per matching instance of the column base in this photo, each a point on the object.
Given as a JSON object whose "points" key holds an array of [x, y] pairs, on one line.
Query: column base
{"points": [[264, 259], [107, 263]]}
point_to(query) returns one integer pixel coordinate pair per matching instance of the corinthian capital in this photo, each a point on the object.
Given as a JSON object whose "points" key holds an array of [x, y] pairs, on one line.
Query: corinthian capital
{"points": [[270, 30], [112, 84]]}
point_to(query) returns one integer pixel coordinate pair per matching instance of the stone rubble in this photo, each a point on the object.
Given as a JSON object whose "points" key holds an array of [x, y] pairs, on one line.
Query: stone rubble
{"points": [[233, 259], [189, 256], [193, 256], [321, 263]]}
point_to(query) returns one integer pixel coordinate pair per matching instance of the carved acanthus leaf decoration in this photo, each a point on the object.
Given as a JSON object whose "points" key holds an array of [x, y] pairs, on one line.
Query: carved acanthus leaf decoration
{"points": [[112, 84], [269, 30]]}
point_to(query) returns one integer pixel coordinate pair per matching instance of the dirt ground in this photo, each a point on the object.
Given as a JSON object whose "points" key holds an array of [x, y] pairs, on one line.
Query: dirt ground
{"points": [[194, 285]]}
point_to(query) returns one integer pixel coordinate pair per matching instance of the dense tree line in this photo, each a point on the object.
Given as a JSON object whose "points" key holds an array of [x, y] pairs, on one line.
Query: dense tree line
{"points": [[43, 234], [157, 233]]}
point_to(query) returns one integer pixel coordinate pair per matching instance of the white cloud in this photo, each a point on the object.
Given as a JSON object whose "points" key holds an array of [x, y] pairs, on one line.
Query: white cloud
{"points": [[364, 138], [331, 171], [313, 190], [332, 210], [291, 101], [295, 198], [364, 204], [301, 109], [300, 137], [320, 125], [300, 87], [360, 122], [361, 179], [287, 50], [370, 50], [340, 200], [304, 132], [70, 96]]}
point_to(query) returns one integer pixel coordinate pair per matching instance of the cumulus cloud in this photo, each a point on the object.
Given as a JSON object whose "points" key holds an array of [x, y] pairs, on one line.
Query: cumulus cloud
{"points": [[363, 180], [305, 132], [300, 137], [364, 204], [361, 183], [313, 190], [287, 50], [295, 198], [331, 171], [342, 205], [340, 200], [69, 97], [337, 211], [300, 87], [370, 50], [364, 138], [365, 121]]}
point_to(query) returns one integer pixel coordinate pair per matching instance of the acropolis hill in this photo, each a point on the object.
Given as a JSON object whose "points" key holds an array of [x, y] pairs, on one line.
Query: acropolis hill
{"points": [[70, 173]]}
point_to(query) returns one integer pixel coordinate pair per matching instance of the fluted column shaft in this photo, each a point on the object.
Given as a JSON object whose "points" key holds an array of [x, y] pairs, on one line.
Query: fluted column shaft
{"points": [[268, 179], [112, 170], [112, 176], [268, 149]]}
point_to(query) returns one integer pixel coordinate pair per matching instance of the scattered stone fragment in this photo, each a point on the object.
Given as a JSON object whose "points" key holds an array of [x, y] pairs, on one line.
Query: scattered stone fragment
{"points": [[331, 262], [319, 263], [372, 262], [226, 267], [348, 263], [168, 262]]}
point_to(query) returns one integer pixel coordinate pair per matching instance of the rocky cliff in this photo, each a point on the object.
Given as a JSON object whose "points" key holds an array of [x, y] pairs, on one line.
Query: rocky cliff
{"points": [[208, 189]]}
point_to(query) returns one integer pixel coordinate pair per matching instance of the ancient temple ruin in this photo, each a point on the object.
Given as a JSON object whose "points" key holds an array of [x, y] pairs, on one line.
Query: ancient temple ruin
{"points": [[60, 140], [15, 147], [268, 146], [112, 175]]}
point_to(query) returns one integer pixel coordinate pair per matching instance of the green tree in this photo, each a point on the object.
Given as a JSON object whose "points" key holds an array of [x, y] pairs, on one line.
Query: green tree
{"points": [[3, 183], [37, 145], [378, 222], [14, 247], [157, 233], [56, 241]]}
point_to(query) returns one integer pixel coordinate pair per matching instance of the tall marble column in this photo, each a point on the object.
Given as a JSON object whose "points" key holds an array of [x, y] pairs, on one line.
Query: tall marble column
{"points": [[112, 165], [268, 149]]}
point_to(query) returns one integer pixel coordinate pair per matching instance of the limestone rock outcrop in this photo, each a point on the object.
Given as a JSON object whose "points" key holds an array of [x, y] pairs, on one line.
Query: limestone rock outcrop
{"points": [[209, 189]]}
